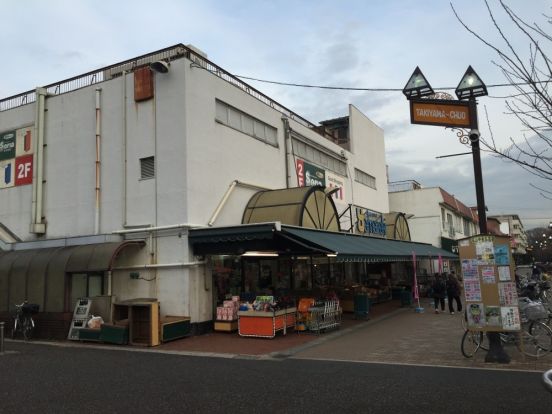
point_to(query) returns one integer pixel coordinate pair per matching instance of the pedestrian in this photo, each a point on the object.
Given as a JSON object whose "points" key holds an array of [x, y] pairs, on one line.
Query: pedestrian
{"points": [[453, 292], [439, 290]]}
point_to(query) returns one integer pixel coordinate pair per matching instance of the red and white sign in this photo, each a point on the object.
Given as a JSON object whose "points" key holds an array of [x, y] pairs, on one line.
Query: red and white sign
{"points": [[24, 141], [24, 170], [300, 169]]}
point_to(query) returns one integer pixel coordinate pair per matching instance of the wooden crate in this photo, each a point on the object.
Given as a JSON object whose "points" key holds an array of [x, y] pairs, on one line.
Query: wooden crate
{"points": [[226, 326], [174, 327], [144, 323]]}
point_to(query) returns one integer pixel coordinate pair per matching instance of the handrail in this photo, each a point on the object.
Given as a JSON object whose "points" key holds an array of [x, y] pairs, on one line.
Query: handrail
{"points": [[177, 51]]}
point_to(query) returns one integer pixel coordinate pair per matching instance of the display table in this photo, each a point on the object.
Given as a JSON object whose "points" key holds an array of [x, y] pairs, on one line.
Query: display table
{"points": [[265, 324]]}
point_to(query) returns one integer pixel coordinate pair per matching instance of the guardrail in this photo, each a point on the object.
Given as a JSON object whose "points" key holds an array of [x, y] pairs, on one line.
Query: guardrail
{"points": [[547, 378]]}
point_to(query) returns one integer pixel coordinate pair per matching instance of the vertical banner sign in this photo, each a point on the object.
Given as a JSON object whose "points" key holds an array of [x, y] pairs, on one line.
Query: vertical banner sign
{"points": [[7, 169], [7, 145], [300, 170], [23, 142]]}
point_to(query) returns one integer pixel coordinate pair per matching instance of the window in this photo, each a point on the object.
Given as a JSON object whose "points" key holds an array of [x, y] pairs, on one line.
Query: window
{"points": [[466, 227], [314, 155], [364, 178], [450, 225], [240, 121], [147, 168], [85, 285], [443, 218]]}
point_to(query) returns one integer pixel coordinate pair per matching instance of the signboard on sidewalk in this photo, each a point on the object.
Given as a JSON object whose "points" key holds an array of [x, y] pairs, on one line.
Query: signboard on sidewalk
{"points": [[489, 284], [440, 112]]}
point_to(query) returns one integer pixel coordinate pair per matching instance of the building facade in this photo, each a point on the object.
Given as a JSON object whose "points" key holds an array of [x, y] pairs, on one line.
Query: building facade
{"points": [[105, 176], [511, 225]]}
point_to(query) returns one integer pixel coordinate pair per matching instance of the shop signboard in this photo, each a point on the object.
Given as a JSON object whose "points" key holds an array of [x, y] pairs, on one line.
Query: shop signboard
{"points": [[370, 222], [309, 175], [16, 158], [7, 145], [489, 283], [440, 112], [336, 181]]}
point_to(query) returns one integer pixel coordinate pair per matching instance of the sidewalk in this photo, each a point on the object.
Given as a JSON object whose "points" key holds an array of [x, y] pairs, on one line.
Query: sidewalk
{"points": [[406, 337], [392, 335], [232, 343]]}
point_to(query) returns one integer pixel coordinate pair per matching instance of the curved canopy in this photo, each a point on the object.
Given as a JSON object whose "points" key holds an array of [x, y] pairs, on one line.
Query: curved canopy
{"points": [[308, 207], [397, 226]]}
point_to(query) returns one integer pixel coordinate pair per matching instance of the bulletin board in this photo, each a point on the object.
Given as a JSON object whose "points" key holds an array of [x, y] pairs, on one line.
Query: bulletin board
{"points": [[489, 283]]}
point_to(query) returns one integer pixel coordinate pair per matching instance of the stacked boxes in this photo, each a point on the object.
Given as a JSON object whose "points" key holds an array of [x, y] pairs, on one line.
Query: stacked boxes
{"points": [[229, 309]]}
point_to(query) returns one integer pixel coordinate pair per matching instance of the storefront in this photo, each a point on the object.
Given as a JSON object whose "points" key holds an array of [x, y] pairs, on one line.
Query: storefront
{"points": [[283, 260]]}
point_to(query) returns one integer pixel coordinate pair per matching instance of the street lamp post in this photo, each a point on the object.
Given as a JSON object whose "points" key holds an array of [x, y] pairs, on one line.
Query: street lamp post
{"points": [[469, 88]]}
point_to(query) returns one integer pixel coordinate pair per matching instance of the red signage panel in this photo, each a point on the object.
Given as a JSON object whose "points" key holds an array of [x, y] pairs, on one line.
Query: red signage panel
{"points": [[24, 170]]}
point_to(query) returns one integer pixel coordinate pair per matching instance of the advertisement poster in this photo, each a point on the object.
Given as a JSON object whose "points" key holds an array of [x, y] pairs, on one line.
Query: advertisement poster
{"points": [[504, 274], [476, 315], [472, 290], [336, 181], [501, 254], [488, 274], [507, 294], [510, 318], [492, 315], [469, 269], [485, 252]]}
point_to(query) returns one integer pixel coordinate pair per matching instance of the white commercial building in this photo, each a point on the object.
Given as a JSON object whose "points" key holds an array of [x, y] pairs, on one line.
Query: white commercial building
{"points": [[105, 175]]}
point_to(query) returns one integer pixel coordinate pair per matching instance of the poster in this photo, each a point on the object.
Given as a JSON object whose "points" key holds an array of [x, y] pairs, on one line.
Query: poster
{"points": [[488, 274], [469, 269], [507, 294], [501, 254], [476, 315], [510, 318], [472, 290], [493, 316], [484, 251], [504, 273]]}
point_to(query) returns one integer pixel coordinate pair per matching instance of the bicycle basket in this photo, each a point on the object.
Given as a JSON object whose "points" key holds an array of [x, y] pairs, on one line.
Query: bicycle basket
{"points": [[30, 308], [534, 311]]}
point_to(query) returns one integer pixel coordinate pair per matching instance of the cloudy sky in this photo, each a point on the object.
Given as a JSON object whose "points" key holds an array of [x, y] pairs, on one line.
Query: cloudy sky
{"points": [[361, 44]]}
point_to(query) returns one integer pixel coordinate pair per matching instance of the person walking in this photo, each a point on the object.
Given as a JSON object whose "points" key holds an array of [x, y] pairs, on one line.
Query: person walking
{"points": [[439, 291], [453, 292]]}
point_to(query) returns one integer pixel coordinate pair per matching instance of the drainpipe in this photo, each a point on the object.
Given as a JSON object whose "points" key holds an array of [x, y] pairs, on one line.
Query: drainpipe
{"points": [[124, 148], [98, 161], [37, 226], [287, 138]]}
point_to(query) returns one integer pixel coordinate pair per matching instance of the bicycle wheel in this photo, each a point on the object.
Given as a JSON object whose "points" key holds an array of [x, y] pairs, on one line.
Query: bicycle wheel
{"points": [[27, 329], [537, 340], [471, 341], [14, 328]]}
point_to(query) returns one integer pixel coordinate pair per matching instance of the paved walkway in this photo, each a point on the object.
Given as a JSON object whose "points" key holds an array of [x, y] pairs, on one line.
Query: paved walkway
{"points": [[393, 335]]}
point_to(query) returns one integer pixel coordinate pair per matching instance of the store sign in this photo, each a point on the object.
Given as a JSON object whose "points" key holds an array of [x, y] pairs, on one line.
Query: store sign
{"points": [[440, 112], [7, 145], [336, 181], [16, 158], [370, 222], [309, 175]]}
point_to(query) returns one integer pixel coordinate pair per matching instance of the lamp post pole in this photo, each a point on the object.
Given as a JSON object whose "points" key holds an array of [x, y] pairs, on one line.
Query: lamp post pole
{"points": [[496, 351], [478, 175]]}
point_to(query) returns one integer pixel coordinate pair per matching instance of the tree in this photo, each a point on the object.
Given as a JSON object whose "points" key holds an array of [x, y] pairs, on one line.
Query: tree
{"points": [[531, 102]]}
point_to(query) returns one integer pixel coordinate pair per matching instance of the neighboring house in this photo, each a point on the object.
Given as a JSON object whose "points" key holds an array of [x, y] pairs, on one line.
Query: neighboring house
{"points": [[493, 225], [511, 225], [143, 180], [434, 215]]}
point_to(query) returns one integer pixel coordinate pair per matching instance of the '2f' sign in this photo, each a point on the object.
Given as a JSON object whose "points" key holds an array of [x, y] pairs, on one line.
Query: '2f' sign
{"points": [[24, 170]]}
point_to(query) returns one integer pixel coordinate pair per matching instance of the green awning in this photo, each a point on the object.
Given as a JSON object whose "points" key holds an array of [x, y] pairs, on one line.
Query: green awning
{"points": [[298, 240]]}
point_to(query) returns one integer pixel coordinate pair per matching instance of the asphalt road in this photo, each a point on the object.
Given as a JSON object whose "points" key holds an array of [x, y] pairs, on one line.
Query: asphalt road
{"points": [[50, 379]]}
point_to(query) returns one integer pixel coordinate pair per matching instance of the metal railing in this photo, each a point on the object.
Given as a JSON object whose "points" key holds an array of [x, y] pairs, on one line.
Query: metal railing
{"points": [[171, 53]]}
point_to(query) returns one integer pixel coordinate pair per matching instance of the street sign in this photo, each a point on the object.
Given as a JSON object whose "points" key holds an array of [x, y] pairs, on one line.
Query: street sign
{"points": [[440, 112]]}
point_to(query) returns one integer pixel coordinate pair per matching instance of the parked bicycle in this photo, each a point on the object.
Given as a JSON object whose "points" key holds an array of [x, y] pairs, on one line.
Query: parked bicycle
{"points": [[23, 320], [534, 339]]}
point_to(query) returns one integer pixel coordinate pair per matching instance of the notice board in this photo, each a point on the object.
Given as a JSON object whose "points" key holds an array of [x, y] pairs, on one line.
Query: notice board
{"points": [[489, 283]]}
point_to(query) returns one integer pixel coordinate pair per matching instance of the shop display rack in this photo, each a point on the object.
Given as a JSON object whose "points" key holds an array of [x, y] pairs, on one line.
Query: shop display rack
{"points": [[262, 324], [324, 316]]}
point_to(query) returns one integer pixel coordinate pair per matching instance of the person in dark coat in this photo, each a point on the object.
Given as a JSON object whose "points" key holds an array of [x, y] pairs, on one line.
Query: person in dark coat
{"points": [[453, 292], [439, 291]]}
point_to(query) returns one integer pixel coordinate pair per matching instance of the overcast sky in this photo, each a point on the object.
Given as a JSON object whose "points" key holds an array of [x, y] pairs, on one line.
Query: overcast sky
{"points": [[365, 43]]}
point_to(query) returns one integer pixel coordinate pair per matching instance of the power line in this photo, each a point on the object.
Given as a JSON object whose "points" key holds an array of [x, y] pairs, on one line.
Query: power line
{"points": [[345, 88]]}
